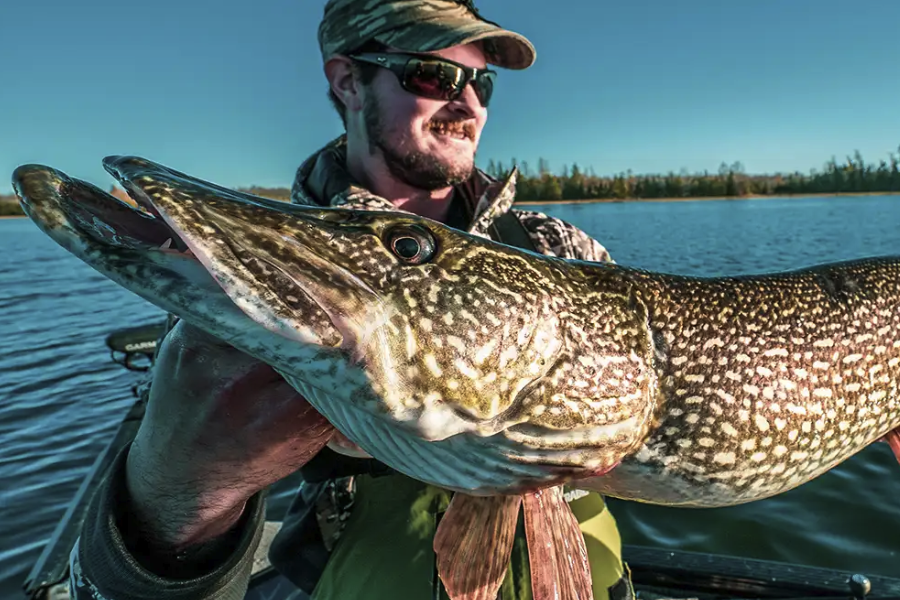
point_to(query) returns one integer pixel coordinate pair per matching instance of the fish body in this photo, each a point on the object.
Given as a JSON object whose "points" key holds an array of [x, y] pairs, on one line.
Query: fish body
{"points": [[491, 370], [762, 382]]}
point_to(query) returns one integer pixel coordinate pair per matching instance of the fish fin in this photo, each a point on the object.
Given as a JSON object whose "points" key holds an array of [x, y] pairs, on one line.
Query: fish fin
{"points": [[556, 550], [893, 440], [469, 567]]}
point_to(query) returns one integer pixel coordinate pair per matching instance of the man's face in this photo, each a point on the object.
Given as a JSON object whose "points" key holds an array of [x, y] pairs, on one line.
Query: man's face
{"points": [[428, 144]]}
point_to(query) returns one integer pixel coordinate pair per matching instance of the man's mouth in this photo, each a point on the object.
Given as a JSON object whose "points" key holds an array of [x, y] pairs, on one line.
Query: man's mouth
{"points": [[460, 130]]}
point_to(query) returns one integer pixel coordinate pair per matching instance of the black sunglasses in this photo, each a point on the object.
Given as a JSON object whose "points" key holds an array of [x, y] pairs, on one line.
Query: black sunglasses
{"points": [[432, 77]]}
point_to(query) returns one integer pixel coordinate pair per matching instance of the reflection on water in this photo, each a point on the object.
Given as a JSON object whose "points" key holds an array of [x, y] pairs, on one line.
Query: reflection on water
{"points": [[61, 396]]}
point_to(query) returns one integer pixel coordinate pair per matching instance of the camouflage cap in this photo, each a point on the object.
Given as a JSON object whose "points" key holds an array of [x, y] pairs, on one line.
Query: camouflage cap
{"points": [[419, 26]]}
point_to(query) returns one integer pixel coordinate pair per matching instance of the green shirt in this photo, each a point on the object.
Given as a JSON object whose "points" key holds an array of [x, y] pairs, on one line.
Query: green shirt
{"points": [[385, 551]]}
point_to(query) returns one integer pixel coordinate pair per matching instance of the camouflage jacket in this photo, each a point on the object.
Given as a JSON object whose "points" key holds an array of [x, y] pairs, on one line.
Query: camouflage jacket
{"points": [[102, 567]]}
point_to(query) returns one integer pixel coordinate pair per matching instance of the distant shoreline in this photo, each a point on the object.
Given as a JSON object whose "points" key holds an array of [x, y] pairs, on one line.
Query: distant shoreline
{"points": [[691, 199], [700, 198]]}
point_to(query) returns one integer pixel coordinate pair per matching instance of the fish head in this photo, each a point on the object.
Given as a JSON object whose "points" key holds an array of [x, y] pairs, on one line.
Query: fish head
{"points": [[447, 328]]}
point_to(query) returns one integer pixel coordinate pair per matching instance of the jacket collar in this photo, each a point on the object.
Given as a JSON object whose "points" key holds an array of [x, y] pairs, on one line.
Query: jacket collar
{"points": [[323, 180]]}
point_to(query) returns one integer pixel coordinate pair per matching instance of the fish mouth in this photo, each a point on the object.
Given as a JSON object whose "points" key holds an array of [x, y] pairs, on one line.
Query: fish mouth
{"points": [[152, 248], [165, 224], [61, 204]]}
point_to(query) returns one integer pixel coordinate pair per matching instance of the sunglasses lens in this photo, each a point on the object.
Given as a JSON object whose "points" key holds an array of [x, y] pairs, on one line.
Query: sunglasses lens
{"points": [[484, 87], [441, 81], [433, 79]]}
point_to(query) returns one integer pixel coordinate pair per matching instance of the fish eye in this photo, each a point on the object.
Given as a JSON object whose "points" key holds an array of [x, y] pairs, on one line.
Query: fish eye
{"points": [[413, 245]]}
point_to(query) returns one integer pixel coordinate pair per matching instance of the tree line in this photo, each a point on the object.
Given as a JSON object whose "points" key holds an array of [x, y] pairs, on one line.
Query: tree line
{"points": [[850, 176]]}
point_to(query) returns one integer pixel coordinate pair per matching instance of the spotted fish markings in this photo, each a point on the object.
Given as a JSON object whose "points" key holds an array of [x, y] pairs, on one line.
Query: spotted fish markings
{"points": [[767, 382]]}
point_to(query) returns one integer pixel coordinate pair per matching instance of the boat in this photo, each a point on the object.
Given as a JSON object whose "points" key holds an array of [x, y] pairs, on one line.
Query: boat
{"points": [[656, 573]]}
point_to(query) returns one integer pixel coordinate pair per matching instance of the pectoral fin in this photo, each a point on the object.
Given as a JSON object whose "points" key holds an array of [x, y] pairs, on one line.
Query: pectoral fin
{"points": [[893, 440], [556, 550], [473, 544]]}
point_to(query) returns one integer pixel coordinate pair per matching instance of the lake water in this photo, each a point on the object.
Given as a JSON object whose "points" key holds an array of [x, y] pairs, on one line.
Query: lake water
{"points": [[61, 397]]}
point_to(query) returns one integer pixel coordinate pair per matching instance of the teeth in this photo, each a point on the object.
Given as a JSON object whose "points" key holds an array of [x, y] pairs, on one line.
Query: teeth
{"points": [[454, 134], [166, 244]]}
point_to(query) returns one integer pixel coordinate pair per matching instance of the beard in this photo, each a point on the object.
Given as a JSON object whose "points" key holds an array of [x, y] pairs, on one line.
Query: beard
{"points": [[413, 167]]}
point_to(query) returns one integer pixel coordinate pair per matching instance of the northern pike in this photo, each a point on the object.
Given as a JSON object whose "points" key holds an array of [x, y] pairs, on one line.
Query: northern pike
{"points": [[502, 374]]}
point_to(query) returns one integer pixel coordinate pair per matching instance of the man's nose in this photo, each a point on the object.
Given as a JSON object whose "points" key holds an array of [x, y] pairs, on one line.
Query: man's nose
{"points": [[467, 105]]}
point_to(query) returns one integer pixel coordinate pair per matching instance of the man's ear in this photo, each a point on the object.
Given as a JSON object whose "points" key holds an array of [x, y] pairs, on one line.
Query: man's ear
{"points": [[342, 77]]}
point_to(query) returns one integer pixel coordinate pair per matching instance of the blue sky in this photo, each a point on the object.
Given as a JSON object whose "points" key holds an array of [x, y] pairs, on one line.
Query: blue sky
{"points": [[233, 91]]}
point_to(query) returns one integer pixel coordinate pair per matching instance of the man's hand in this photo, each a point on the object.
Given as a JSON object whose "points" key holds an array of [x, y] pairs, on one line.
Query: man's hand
{"points": [[219, 427]]}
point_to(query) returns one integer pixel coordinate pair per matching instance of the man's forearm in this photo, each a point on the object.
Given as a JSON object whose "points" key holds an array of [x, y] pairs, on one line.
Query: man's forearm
{"points": [[105, 566], [170, 532]]}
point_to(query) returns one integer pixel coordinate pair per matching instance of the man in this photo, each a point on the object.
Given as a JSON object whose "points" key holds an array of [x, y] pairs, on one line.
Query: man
{"points": [[183, 509]]}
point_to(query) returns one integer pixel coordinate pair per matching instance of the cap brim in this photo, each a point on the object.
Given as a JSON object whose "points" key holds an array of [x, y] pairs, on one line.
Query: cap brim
{"points": [[510, 50]]}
